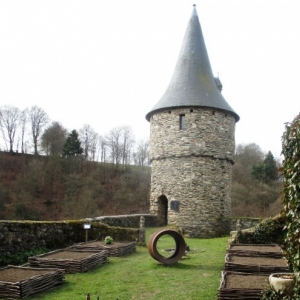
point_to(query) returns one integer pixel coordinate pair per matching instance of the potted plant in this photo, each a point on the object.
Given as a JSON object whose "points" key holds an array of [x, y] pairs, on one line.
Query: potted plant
{"points": [[108, 240], [284, 282]]}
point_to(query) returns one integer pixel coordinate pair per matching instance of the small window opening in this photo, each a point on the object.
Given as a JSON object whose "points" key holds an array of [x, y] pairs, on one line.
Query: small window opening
{"points": [[182, 122], [169, 111], [191, 110], [213, 113]]}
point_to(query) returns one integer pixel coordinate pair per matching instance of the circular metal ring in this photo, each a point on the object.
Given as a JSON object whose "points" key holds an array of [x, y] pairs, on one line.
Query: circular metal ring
{"points": [[179, 250]]}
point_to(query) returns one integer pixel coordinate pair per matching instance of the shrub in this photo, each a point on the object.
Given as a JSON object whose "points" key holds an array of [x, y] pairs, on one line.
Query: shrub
{"points": [[291, 191], [21, 257], [270, 231]]}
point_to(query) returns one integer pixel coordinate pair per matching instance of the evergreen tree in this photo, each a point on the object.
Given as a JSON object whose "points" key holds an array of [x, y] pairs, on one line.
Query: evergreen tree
{"points": [[72, 146], [266, 171], [271, 170]]}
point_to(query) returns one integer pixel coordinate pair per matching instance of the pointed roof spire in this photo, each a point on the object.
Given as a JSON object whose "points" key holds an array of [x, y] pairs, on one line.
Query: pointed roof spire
{"points": [[193, 83]]}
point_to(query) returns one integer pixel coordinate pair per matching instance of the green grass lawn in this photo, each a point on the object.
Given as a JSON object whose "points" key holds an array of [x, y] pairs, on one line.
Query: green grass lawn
{"points": [[139, 276]]}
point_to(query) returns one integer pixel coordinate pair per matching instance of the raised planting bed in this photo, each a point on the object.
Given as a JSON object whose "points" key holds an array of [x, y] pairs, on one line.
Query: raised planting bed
{"points": [[238, 285], [269, 250], [21, 282], [114, 249], [255, 264], [72, 261]]}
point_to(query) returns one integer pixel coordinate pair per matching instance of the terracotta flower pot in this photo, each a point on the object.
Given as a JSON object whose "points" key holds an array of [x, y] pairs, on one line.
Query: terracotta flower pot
{"points": [[283, 282]]}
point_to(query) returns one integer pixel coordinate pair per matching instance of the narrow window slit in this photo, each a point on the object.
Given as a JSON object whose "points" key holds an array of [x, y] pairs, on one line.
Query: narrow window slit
{"points": [[182, 124]]}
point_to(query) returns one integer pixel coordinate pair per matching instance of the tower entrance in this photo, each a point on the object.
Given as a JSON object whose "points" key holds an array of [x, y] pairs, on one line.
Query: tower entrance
{"points": [[162, 210]]}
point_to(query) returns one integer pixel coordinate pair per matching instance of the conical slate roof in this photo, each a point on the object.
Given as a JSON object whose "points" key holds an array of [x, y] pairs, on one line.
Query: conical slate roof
{"points": [[193, 83]]}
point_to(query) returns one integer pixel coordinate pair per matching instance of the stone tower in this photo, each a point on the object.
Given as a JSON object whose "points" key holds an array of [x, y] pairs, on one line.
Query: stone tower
{"points": [[192, 144]]}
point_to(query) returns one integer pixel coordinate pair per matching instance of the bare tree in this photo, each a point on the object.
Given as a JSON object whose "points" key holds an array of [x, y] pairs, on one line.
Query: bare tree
{"points": [[88, 138], [53, 139], [94, 146], [113, 141], [141, 156], [103, 148], [9, 121], [120, 142], [38, 119], [23, 122], [127, 144]]}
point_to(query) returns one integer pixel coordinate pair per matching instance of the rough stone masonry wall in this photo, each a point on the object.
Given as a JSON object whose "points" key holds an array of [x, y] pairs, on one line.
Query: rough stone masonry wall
{"points": [[20, 236], [193, 166], [245, 223], [129, 221]]}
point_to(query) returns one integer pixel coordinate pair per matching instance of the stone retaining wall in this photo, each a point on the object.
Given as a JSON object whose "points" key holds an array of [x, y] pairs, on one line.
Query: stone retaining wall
{"points": [[245, 223], [131, 221], [20, 236]]}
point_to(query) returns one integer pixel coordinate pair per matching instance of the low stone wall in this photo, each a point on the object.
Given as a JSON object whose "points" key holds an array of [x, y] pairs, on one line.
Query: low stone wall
{"points": [[130, 221], [245, 223], [20, 236]]}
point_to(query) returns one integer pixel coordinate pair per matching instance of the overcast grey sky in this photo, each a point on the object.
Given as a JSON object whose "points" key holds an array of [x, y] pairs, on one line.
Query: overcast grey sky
{"points": [[107, 63]]}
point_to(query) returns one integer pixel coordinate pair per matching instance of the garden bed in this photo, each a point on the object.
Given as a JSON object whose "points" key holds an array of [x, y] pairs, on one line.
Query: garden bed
{"points": [[238, 285], [72, 261], [268, 250], [21, 282], [255, 264], [114, 249]]}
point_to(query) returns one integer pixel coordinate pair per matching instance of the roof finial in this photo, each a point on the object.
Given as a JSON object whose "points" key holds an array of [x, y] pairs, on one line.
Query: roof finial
{"points": [[194, 5]]}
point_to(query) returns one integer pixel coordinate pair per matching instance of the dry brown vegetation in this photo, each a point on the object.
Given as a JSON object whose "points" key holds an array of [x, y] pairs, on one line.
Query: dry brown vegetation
{"points": [[55, 188], [252, 197]]}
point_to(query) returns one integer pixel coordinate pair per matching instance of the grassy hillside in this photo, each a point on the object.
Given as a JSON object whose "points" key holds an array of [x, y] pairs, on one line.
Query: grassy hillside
{"points": [[54, 188]]}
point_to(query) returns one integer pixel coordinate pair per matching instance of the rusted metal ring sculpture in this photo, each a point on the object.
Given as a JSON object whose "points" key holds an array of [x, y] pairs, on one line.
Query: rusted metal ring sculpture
{"points": [[178, 253]]}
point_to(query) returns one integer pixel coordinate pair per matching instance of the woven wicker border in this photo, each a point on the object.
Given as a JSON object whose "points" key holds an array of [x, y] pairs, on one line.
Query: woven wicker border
{"points": [[115, 249], [252, 268], [29, 286], [92, 260], [275, 250], [238, 293]]}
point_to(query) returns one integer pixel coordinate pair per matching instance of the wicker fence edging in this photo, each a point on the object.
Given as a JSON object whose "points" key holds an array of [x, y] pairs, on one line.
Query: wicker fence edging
{"points": [[48, 279]]}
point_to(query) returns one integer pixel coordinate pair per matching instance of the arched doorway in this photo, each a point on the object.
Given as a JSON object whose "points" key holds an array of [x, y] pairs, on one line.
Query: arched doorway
{"points": [[162, 210]]}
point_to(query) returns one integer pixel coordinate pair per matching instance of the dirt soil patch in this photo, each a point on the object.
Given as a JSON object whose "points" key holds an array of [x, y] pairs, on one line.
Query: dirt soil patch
{"points": [[262, 261], [234, 281], [15, 275], [68, 255], [256, 248], [74, 261], [114, 249]]}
